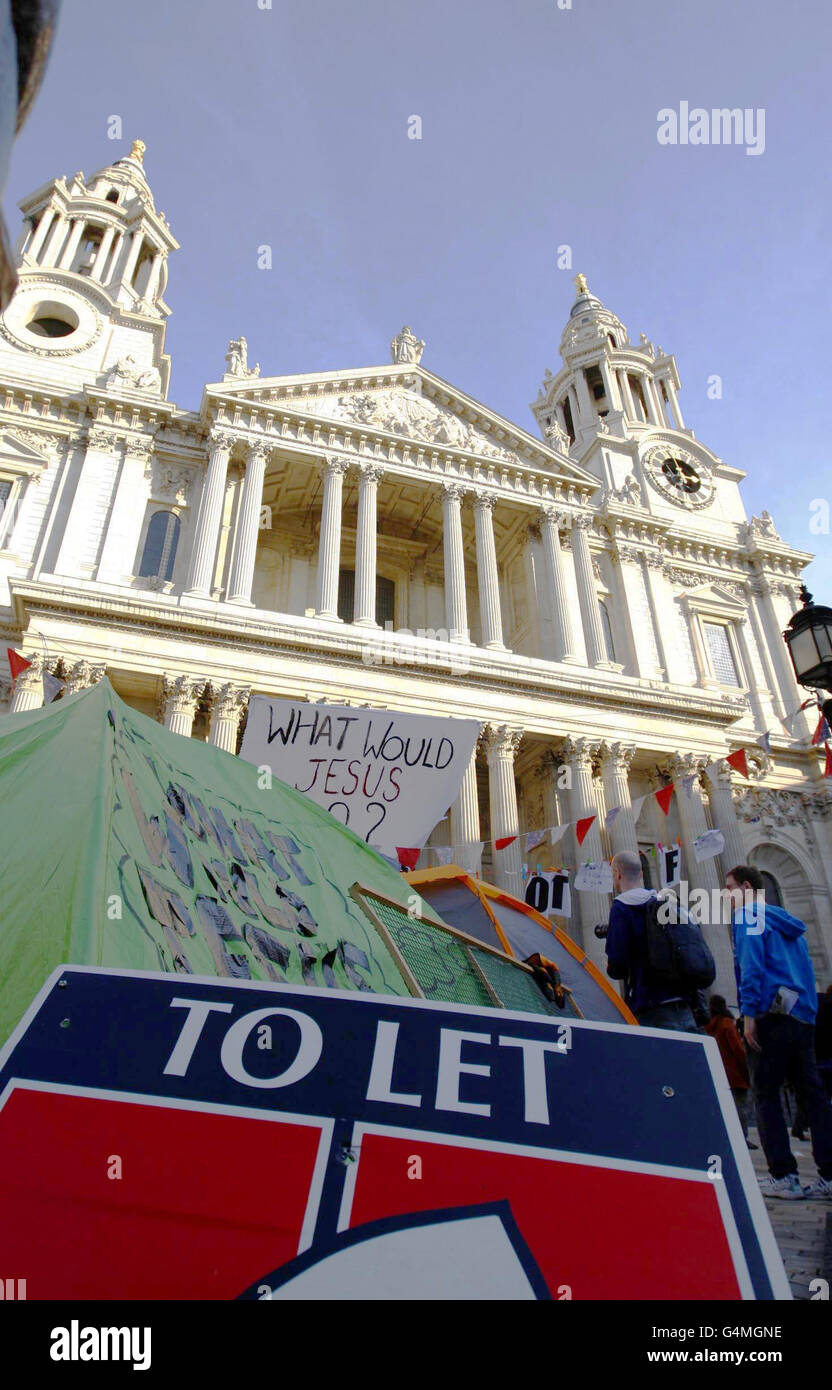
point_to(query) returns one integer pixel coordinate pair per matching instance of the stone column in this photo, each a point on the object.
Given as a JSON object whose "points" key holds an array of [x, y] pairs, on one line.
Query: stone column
{"points": [[648, 391], [594, 908], [501, 745], [54, 244], [704, 876], [674, 403], [791, 696], [724, 815], [456, 605], [153, 278], [28, 687], [586, 405], [627, 396], [487, 577], [615, 761], [39, 234], [203, 560], [132, 257], [465, 821], [660, 599], [366, 546], [179, 697], [769, 673], [248, 525], [71, 247], [587, 593], [227, 704], [556, 581], [610, 380], [102, 253], [118, 553], [329, 543]]}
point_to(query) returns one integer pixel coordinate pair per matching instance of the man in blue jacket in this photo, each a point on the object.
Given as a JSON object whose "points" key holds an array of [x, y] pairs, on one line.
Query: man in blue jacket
{"points": [[655, 1006], [778, 1001]]}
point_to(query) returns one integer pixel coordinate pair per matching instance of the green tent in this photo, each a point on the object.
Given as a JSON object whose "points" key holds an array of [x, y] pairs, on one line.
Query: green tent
{"points": [[127, 845]]}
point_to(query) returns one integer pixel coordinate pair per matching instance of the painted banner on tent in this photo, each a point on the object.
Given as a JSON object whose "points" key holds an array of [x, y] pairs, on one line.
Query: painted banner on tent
{"points": [[392, 1149], [388, 776]]}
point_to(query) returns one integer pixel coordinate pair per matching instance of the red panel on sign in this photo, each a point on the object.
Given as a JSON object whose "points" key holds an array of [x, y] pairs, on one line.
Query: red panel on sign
{"points": [[205, 1202], [603, 1232]]}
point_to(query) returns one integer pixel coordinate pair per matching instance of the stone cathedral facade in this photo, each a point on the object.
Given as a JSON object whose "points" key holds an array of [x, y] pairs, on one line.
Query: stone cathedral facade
{"points": [[593, 593]]}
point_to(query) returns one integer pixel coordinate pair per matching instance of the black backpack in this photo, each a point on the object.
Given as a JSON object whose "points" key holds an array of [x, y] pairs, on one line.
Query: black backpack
{"points": [[676, 953]]}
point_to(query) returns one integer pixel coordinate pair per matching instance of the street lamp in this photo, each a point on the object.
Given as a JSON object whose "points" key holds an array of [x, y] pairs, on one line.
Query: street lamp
{"points": [[809, 640]]}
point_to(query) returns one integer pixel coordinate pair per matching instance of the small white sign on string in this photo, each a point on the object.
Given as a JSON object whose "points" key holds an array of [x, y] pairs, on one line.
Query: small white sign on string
{"points": [[594, 878], [709, 845]]}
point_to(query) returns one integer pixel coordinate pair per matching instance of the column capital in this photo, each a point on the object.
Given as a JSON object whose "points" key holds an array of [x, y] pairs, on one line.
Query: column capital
{"points": [[257, 449], [32, 677], [180, 693], [83, 675], [582, 521], [618, 756], [369, 472], [454, 492], [333, 466], [220, 438], [556, 515], [502, 741], [580, 751], [483, 501], [228, 700], [680, 765]]}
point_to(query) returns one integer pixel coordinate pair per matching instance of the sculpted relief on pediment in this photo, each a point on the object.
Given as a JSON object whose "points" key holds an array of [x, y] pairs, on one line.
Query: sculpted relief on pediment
{"points": [[409, 415]]}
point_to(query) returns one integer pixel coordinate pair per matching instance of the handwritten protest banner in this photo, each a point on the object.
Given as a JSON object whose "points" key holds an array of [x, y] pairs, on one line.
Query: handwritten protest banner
{"points": [[388, 776]]}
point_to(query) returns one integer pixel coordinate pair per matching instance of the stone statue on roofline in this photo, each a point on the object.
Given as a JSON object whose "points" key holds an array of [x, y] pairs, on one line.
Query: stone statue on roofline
{"points": [[236, 359], [406, 347]]}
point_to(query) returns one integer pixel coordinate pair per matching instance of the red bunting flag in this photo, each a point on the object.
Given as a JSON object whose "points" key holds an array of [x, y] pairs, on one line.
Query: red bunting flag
{"points": [[408, 857], [581, 828], [17, 663], [822, 732], [827, 771], [504, 841], [738, 761], [663, 796]]}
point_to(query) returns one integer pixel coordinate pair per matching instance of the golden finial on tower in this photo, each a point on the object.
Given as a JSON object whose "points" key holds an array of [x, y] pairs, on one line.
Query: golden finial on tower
{"points": [[137, 152], [580, 284]]}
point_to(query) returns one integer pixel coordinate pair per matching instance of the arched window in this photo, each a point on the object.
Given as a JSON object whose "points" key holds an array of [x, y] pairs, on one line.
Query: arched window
{"points": [[159, 554], [606, 627], [385, 598], [112, 196], [772, 889]]}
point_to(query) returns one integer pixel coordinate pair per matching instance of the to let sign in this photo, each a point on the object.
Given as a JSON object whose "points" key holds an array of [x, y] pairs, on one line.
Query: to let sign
{"points": [[202, 1139]]}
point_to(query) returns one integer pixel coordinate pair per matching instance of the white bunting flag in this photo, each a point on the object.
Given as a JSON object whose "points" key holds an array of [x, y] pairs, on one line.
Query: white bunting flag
{"points": [[444, 853], [765, 742], [557, 832], [611, 815], [687, 785], [637, 805], [52, 688], [709, 845], [534, 838]]}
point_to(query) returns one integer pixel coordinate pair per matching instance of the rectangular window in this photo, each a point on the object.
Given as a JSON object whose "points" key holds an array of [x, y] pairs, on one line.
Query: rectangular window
{"points": [[6, 485], [722, 657]]}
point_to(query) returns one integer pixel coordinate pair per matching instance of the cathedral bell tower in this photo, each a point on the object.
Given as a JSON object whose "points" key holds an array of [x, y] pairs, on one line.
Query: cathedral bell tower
{"points": [[608, 388], [89, 307]]}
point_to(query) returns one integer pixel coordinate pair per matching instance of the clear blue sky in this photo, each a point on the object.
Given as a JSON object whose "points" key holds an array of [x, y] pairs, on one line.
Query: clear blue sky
{"points": [[289, 127]]}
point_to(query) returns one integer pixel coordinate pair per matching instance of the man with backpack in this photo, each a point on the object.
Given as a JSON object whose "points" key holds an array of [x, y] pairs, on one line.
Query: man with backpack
{"points": [[778, 1001], [656, 950]]}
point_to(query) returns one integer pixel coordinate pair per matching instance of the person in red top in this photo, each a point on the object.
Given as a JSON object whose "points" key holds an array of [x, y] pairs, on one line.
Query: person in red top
{"points": [[723, 1027]]}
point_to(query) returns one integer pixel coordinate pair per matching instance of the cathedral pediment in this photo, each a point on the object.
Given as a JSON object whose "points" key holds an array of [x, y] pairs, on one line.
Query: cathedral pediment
{"points": [[409, 403], [16, 450], [714, 598]]}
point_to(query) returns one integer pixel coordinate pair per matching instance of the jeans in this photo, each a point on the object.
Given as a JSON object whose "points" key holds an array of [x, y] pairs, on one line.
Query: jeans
{"points": [[788, 1055], [678, 1017], [741, 1100]]}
